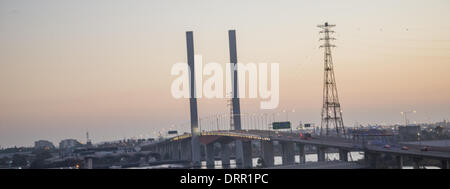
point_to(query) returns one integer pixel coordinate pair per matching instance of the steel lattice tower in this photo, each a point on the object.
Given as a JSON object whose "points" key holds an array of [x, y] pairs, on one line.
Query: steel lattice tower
{"points": [[331, 110]]}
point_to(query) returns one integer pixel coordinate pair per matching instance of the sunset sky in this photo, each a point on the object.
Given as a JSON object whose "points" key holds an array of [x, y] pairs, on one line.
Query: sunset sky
{"points": [[67, 67]]}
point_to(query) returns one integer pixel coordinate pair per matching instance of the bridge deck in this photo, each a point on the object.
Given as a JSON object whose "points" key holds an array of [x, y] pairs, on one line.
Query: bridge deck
{"points": [[318, 141], [322, 165]]}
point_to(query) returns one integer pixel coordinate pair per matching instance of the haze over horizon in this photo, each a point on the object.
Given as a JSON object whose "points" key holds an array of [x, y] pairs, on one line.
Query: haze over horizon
{"points": [[104, 66]]}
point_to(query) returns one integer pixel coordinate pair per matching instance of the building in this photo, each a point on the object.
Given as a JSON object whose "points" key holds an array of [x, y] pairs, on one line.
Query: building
{"points": [[67, 147], [409, 133], [43, 144], [69, 143], [372, 136]]}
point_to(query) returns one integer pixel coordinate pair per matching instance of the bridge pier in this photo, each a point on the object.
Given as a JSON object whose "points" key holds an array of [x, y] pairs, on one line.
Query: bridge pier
{"points": [[248, 154], [239, 154], [301, 150], [444, 164], [170, 151], [164, 151], [158, 150], [267, 151], [88, 163], [343, 155], [288, 157], [185, 150], [210, 155], [370, 159], [399, 162], [321, 153], [179, 146], [225, 152], [416, 163], [175, 151]]}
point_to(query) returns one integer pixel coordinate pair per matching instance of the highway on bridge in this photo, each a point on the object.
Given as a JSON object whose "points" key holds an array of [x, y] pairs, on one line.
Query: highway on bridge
{"points": [[330, 142]]}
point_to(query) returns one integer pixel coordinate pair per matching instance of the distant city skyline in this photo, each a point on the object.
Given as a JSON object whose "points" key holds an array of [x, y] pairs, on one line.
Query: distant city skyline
{"points": [[104, 67]]}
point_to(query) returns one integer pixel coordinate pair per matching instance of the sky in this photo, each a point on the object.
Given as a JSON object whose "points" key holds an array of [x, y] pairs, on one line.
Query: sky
{"points": [[68, 67]]}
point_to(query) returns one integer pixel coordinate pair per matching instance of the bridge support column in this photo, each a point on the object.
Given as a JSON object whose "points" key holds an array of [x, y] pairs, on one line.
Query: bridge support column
{"points": [[157, 149], [248, 154], [210, 155], [444, 164], [88, 162], [399, 162], [370, 159], [301, 151], [225, 155], [267, 151], [239, 154], [168, 151], [175, 151], [320, 153], [160, 151], [288, 153], [343, 155], [416, 163], [179, 146], [185, 150], [164, 152]]}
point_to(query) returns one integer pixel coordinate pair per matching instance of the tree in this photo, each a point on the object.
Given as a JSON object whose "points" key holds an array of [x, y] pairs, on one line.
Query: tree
{"points": [[39, 161], [19, 160], [4, 162]]}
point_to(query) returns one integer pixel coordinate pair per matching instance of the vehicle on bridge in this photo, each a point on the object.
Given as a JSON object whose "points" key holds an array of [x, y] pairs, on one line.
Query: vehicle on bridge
{"points": [[306, 136], [425, 148]]}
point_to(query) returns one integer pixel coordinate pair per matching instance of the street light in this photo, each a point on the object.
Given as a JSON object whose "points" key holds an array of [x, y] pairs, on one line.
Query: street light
{"points": [[265, 120], [405, 115], [418, 138], [217, 122], [274, 114], [255, 121]]}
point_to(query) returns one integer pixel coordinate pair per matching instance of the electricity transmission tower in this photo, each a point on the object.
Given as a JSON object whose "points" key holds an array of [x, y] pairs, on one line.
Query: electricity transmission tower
{"points": [[331, 110]]}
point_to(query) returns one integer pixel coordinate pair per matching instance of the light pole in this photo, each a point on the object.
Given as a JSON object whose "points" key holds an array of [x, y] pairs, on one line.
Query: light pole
{"points": [[255, 121], [405, 115], [261, 116], [287, 116], [200, 124], [418, 138], [293, 111], [217, 122], [265, 120], [273, 116]]}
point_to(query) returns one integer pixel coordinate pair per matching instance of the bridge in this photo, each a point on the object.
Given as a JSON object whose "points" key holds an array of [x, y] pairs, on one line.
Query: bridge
{"points": [[178, 148], [189, 146]]}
